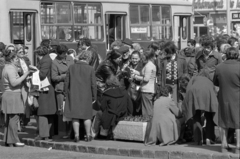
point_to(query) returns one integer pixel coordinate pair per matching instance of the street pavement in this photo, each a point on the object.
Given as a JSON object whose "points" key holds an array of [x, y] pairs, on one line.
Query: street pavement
{"points": [[29, 152], [112, 148]]}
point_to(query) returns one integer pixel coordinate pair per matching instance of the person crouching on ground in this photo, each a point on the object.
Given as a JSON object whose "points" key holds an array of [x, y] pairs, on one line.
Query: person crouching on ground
{"points": [[80, 92], [164, 127], [115, 105]]}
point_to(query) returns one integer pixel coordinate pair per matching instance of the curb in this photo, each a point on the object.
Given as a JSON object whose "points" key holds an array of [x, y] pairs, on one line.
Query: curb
{"points": [[123, 151]]}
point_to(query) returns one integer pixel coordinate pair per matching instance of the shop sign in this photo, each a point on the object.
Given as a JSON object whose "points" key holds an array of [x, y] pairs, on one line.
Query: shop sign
{"points": [[138, 30], [211, 5]]}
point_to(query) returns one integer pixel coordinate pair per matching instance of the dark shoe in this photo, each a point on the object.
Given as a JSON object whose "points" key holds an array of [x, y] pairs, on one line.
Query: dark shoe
{"points": [[88, 138], [19, 144], [8, 145], [76, 139]]}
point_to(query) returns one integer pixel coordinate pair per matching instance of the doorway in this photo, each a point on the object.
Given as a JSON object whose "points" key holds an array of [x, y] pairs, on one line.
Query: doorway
{"points": [[115, 28], [22, 30], [182, 30]]}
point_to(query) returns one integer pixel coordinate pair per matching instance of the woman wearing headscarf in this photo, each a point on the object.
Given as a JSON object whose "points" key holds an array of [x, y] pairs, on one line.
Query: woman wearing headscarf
{"points": [[78, 105], [200, 98], [227, 77], [12, 103], [46, 100]]}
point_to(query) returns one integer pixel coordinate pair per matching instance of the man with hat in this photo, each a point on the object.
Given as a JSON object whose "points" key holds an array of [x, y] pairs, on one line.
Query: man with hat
{"points": [[124, 72], [127, 42]]}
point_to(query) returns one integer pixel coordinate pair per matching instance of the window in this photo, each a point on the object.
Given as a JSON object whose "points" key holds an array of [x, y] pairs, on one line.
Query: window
{"points": [[184, 28], [68, 22], [28, 28], [161, 22], [146, 27], [139, 22], [17, 26], [88, 21]]}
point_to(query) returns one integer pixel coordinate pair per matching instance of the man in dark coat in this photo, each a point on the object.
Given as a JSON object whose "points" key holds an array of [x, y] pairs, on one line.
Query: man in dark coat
{"points": [[85, 44]]}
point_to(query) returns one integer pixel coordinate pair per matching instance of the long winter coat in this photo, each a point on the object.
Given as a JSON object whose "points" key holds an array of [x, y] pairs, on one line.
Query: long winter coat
{"points": [[46, 100], [227, 77], [200, 95], [80, 90], [115, 105]]}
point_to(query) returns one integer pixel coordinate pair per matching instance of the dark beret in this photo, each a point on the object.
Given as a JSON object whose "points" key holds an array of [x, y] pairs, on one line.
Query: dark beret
{"points": [[123, 49]]}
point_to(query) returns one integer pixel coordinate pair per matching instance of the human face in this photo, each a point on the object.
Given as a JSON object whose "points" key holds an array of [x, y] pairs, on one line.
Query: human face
{"points": [[11, 48], [135, 59], [157, 52], [26, 52], [126, 55], [118, 60], [15, 61], [190, 45], [20, 53], [236, 44], [207, 50]]}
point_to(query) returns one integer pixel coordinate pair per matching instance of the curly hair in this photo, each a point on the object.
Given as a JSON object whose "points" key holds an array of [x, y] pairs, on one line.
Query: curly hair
{"points": [[46, 43], [170, 48], [9, 55], [85, 41], [149, 54], [85, 55], [232, 53], [165, 90], [62, 49], [41, 51]]}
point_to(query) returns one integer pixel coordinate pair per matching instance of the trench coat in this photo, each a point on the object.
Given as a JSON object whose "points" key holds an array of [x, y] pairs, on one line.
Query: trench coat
{"points": [[80, 91], [227, 77], [46, 100]]}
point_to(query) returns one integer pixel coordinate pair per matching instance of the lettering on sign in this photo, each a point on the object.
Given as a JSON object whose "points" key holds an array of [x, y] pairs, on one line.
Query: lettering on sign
{"points": [[139, 30], [215, 4], [235, 15]]}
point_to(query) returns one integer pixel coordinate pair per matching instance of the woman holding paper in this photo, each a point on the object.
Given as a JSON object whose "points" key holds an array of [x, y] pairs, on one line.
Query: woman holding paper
{"points": [[47, 101], [12, 103]]}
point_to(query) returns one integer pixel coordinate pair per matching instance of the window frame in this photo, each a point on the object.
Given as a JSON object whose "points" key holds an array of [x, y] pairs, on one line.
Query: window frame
{"points": [[151, 25], [72, 24]]}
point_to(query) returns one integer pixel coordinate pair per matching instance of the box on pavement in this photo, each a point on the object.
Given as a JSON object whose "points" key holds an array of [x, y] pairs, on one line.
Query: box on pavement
{"points": [[130, 130]]}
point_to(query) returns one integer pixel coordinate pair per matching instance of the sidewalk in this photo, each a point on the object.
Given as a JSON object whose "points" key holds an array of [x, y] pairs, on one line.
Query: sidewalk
{"points": [[125, 148]]}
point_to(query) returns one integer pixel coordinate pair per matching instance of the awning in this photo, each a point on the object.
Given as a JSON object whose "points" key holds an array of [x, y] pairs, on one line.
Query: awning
{"points": [[182, 14], [114, 12], [24, 10]]}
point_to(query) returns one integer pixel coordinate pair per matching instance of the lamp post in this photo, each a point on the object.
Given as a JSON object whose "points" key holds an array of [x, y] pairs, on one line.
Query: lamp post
{"points": [[228, 2]]}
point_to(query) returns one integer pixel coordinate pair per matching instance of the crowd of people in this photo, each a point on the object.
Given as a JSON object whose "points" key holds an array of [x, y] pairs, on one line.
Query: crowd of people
{"points": [[182, 94]]}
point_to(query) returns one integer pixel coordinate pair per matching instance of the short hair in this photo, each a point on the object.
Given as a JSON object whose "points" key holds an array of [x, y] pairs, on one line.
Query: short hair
{"points": [[149, 54], [62, 49], [45, 43], [85, 41], [136, 46], [192, 42], [116, 43], [224, 47], [232, 40], [165, 90], [71, 51], [170, 48], [41, 51], [161, 43], [232, 53], [9, 55], [207, 41], [183, 82], [154, 46], [85, 55], [136, 53]]}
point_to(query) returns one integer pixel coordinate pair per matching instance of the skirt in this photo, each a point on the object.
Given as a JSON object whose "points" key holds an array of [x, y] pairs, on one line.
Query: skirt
{"points": [[12, 103]]}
